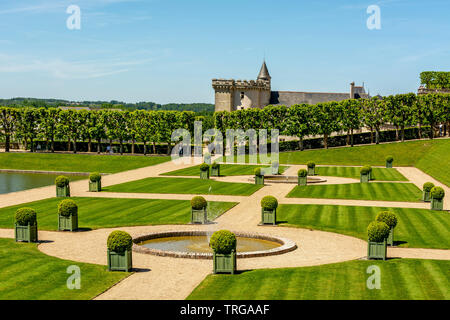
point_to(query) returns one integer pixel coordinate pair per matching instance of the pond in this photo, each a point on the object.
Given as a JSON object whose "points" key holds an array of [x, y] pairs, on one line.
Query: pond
{"points": [[13, 182]]}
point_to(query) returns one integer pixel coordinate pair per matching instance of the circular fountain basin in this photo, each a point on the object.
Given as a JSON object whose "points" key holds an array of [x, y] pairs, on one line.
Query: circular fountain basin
{"points": [[195, 245], [289, 179]]}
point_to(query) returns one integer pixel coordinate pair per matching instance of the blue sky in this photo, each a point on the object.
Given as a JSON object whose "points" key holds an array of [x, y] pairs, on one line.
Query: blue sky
{"points": [[169, 50]]}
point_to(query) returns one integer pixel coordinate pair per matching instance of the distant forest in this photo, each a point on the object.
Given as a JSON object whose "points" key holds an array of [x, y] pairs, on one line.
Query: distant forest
{"points": [[202, 108]]}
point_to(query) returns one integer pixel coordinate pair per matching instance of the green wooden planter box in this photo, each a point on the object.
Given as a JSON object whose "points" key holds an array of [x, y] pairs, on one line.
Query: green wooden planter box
{"points": [[27, 233], [199, 216], [67, 223], [437, 205], [390, 239], [259, 180], [302, 181], [224, 263], [215, 172], [95, 186], [365, 178], [204, 175], [389, 164], [311, 171], [426, 196], [269, 216], [63, 192], [377, 250], [120, 261]]}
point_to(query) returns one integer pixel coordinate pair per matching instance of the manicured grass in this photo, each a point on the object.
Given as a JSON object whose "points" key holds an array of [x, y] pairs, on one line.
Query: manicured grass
{"points": [[378, 174], [436, 162], [383, 191], [406, 279], [95, 213], [185, 186], [418, 228], [28, 274], [225, 170], [76, 162]]}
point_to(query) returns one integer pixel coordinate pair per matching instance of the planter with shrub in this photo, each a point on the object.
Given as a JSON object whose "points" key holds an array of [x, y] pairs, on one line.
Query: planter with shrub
{"points": [[120, 256], [223, 243], [62, 186], [199, 212], [269, 205], [371, 176], [215, 170], [311, 168], [389, 162], [302, 177], [437, 199], [67, 215], [426, 197], [365, 174], [204, 171], [25, 227], [259, 176], [391, 220], [275, 168], [378, 233], [95, 182]]}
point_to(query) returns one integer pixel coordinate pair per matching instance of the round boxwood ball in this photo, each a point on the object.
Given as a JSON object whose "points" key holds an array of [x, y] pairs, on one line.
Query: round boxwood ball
{"points": [[95, 177], [387, 217], [119, 241], [269, 203], [26, 216], [62, 181], [204, 167], [67, 208], [258, 172], [437, 193], [302, 173], [378, 231], [311, 165], [215, 165], [390, 159], [365, 170], [198, 203], [428, 186], [223, 242]]}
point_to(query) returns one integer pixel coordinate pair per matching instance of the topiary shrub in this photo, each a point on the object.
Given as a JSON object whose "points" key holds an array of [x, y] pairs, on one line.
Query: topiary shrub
{"points": [[67, 208], [204, 167], [223, 242], [378, 231], [302, 173], [437, 193], [258, 172], [311, 165], [428, 186], [389, 159], [365, 170], [62, 181], [215, 165], [269, 203], [95, 177], [25, 216], [119, 241], [387, 217], [198, 203]]}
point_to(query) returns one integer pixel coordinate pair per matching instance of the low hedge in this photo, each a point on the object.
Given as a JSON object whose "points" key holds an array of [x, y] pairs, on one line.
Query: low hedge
{"points": [[387, 217], [62, 181], [302, 173], [67, 208], [25, 216], [269, 203], [204, 167], [437, 193], [311, 164], [365, 170], [198, 203], [223, 242], [378, 231], [258, 172], [119, 241], [95, 177]]}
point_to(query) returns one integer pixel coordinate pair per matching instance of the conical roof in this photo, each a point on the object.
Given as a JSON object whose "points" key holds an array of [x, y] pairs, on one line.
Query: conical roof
{"points": [[264, 73]]}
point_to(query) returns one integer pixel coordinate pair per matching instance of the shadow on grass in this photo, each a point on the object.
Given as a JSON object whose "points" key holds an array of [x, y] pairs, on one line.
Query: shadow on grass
{"points": [[398, 243]]}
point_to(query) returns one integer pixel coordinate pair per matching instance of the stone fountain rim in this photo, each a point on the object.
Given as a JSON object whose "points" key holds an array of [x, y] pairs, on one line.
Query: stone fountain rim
{"points": [[287, 245]]}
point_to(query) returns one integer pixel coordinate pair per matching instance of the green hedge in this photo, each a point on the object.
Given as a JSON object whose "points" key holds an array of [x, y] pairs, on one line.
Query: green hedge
{"points": [[95, 177], [365, 170], [204, 167], [390, 159], [223, 242], [428, 186], [387, 217], [269, 203], [119, 241], [198, 203], [311, 164], [378, 231], [258, 172], [437, 193], [67, 208], [302, 173], [25, 216], [62, 181]]}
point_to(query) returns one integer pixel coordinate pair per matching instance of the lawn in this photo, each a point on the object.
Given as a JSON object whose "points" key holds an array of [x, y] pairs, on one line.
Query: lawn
{"points": [[381, 191], [436, 162], [76, 162], [378, 174], [185, 186], [417, 228], [95, 213], [28, 274], [225, 170], [406, 279]]}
